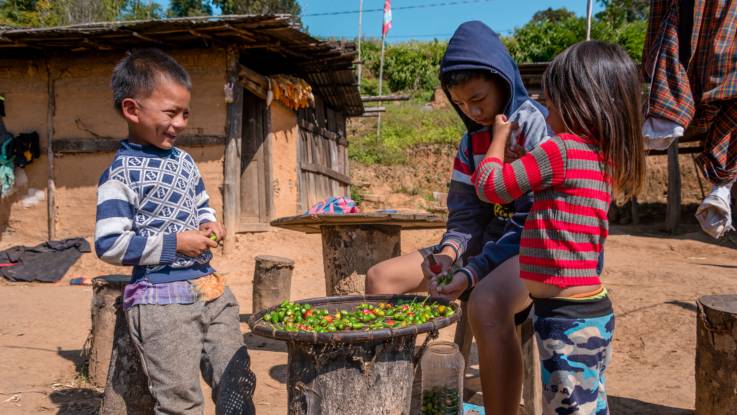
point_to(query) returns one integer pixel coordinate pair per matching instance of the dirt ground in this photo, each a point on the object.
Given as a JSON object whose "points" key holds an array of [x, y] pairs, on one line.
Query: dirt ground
{"points": [[653, 278]]}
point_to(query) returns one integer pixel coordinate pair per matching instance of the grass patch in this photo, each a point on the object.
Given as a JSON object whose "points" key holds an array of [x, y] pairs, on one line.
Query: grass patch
{"points": [[404, 126]]}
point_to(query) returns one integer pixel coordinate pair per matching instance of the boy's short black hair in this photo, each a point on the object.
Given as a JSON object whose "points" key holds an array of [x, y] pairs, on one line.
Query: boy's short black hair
{"points": [[137, 73], [451, 79]]}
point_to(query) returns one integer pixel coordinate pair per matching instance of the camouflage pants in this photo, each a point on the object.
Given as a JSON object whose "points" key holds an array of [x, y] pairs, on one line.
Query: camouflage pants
{"points": [[575, 350]]}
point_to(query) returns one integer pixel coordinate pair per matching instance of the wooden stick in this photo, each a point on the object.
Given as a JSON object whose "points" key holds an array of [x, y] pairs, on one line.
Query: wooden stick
{"points": [[673, 211], [253, 81], [382, 98], [51, 186], [232, 164]]}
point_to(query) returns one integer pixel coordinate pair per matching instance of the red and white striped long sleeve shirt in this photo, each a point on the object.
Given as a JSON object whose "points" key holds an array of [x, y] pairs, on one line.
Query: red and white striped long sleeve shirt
{"points": [[567, 225]]}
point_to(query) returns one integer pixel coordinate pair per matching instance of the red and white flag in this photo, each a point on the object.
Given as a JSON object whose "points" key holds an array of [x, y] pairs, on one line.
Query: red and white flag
{"points": [[387, 17]]}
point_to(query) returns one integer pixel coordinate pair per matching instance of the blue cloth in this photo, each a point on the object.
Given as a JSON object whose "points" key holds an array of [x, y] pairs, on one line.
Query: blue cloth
{"points": [[144, 199], [575, 343], [486, 235]]}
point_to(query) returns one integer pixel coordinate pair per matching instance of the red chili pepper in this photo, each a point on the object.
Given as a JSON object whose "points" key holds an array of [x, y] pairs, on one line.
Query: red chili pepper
{"points": [[329, 319], [367, 311], [434, 266], [390, 322], [307, 313]]}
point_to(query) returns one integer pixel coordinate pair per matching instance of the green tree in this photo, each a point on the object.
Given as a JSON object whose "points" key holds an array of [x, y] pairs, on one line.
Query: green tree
{"points": [[620, 12], [188, 8], [259, 6], [550, 31], [552, 15], [42, 13], [28, 13]]}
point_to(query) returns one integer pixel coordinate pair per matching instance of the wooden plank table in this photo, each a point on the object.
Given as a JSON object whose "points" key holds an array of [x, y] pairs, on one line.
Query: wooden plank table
{"points": [[353, 243]]}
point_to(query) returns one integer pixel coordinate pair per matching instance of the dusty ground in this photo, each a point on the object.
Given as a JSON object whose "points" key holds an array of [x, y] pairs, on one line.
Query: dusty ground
{"points": [[653, 278]]}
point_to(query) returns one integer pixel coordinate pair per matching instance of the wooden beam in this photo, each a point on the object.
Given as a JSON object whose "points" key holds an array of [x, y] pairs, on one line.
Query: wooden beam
{"points": [[681, 150], [232, 164], [101, 145], [51, 183], [253, 81], [324, 132], [243, 33], [316, 168], [374, 109], [383, 98], [150, 39]]}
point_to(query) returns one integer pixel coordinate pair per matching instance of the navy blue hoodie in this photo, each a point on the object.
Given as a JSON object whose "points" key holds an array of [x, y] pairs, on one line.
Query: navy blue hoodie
{"points": [[483, 234]]}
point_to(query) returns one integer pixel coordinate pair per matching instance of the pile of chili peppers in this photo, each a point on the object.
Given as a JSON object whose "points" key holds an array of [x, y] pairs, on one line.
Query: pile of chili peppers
{"points": [[295, 317]]}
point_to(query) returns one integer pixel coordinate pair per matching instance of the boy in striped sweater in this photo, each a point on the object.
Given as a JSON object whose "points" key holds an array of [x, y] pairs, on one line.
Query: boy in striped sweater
{"points": [[153, 214], [594, 95]]}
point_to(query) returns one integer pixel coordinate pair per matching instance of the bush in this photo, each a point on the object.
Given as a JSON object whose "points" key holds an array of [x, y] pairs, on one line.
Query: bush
{"points": [[403, 127]]}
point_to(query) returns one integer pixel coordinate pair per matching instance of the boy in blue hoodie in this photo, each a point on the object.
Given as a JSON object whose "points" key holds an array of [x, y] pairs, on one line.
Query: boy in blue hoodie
{"points": [[481, 243]]}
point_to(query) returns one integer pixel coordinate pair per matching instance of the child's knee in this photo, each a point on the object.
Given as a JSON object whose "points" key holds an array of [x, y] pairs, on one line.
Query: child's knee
{"points": [[490, 309], [376, 278]]}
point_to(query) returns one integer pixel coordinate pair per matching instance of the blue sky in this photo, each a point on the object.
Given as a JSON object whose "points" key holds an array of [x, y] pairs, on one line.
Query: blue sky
{"points": [[423, 23]]}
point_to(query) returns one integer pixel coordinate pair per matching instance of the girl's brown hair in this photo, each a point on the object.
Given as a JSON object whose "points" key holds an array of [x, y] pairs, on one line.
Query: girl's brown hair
{"points": [[595, 87]]}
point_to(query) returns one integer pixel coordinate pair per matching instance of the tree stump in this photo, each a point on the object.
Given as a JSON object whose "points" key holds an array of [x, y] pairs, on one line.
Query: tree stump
{"points": [[374, 377], [272, 281], [350, 250], [716, 355], [352, 372], [105, 291], [126, 390]]}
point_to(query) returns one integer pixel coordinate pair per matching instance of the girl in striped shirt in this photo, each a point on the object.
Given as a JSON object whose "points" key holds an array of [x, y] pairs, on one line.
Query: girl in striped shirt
{"points": [[593, 95]]}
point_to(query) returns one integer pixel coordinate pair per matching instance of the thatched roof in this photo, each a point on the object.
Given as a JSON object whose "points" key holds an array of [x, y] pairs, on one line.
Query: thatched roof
{"points": [[327, 66]]}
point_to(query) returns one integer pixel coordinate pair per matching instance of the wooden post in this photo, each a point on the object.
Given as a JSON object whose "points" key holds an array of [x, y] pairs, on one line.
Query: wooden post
{"points": [[673, 211], [232, 164], [272, 281], [635, 210], [51, 184], [716, 355], [126, 391], [349, 251], [106, 290]]}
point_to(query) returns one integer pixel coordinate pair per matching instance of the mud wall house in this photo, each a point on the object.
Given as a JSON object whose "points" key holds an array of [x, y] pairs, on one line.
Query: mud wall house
{"points": [[258, 161]]}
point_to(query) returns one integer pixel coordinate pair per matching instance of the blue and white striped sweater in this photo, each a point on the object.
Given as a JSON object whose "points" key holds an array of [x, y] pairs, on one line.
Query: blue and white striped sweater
{"points": [[144, 199]]}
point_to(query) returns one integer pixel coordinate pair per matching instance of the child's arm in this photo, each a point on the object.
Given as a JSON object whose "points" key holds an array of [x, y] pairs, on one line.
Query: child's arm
{"points": [[204, 212], [115, 240], [500, 182]]}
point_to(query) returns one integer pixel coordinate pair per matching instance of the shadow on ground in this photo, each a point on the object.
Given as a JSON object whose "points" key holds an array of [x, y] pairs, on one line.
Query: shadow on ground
{"points": [[619, 405], [76, 401]]}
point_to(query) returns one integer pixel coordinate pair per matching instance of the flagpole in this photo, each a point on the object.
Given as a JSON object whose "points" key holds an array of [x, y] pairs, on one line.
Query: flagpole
{"points": [[589, 10], [381, 79], [360, 24]]}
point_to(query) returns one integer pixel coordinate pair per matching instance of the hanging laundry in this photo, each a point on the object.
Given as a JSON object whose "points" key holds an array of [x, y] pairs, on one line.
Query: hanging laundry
{"points": [[7, 164], [27, 148]]}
